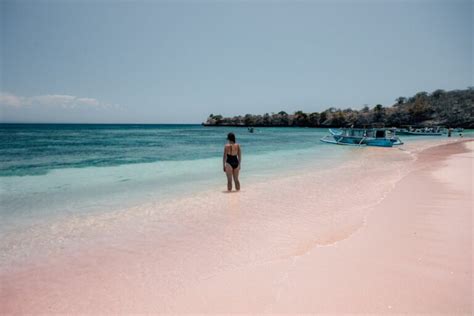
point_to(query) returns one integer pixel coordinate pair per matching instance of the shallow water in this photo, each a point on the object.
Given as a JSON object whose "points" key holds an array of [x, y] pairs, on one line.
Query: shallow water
{"points": [[57, 169], [66, 186]]}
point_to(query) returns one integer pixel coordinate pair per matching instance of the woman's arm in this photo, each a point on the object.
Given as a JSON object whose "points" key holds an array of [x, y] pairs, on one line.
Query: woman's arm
{"points": [[239, 154], [223, 158]]}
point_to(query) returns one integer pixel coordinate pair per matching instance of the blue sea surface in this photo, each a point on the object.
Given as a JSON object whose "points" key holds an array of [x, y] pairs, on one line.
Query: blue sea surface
{"points": [[59, 169], [37, 149], [51, 170]]}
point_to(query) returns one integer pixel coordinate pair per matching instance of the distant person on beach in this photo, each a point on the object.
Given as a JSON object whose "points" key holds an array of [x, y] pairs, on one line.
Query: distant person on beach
{"points": [[232, 160]]}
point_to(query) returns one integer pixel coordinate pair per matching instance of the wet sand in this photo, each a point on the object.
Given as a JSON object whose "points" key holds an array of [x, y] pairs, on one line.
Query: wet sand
{"points": [[413, 256], [408, 252]]}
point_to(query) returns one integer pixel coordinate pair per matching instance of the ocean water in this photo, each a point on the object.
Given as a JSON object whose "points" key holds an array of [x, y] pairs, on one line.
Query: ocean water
{"points": [[52, 169], [70, 182]]}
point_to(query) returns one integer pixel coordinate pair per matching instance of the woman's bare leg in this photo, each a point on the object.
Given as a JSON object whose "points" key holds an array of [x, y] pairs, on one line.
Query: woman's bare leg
{"points": [[235, 173], [228, 172]]}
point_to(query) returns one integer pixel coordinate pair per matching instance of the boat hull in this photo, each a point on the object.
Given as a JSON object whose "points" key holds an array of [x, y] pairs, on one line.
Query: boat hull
{"points": [[379, 142], [354, 141]]}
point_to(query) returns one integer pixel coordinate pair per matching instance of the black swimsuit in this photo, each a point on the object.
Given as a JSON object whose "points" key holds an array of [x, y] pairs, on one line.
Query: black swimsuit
{"points": [[232, 160]]}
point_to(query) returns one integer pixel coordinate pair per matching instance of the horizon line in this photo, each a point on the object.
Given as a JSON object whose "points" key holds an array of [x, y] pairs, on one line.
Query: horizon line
{"points": [[109, 123]]}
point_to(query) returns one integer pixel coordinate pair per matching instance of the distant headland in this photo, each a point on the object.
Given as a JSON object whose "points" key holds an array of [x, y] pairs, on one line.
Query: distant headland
{"points": [[448, 108]]}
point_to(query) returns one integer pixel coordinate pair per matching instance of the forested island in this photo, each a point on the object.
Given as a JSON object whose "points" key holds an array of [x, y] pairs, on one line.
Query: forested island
{"points": [[447, 108]]}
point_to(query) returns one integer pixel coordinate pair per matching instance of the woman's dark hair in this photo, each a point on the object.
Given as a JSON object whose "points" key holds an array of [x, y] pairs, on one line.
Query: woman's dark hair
{"points": [[231, 137]]}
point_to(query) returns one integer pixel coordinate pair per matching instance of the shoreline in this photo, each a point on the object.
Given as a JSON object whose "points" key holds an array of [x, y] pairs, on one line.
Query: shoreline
{"points": [[424, 267], [184, 295], [389, 265]]}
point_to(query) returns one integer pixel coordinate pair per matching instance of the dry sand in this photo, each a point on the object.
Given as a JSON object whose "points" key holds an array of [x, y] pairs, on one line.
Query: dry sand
{"points": [[413, 256]]}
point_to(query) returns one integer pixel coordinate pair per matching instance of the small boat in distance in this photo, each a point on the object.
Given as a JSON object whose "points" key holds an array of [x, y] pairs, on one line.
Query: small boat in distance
{"points": [[379, 137]]}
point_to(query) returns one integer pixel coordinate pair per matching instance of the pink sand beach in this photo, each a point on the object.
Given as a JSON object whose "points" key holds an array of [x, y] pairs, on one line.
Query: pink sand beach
{"points": [[387, 232]]}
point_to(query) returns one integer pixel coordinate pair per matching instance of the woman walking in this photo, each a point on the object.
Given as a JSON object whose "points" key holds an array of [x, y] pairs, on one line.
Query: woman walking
{"points": [[232, 160]]}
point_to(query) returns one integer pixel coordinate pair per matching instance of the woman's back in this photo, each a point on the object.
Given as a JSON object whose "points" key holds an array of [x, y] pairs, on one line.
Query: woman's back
{"points": [[232, 149]]}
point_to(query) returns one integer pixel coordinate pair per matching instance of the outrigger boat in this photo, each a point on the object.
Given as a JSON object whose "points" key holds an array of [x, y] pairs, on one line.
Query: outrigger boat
{"points": [[380, 137]]}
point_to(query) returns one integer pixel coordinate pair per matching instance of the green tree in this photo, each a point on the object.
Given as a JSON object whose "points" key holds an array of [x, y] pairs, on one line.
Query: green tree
{"points": [[323, 118], [218, 119], [314, 119], [419, 111], [421, 95], [379, 113], [300, 119], [339, 119], [401, 100], [438, 93], [267, 119], [249, 120]]}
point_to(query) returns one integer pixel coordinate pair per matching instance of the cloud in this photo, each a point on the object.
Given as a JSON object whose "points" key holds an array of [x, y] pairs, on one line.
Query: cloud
{"points": [[88, 101], [10, 100], [51, 100]]}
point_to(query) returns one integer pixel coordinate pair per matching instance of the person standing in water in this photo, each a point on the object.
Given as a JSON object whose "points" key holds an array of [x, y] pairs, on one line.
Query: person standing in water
{"points": [[232, 160]]}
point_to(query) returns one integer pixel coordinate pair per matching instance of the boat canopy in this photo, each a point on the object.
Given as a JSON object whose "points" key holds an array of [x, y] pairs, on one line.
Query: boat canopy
{"points": [[366, 132]]}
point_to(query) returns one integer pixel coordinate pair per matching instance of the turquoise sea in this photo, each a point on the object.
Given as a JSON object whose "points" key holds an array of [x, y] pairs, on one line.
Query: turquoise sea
{"points": [[55, 179], [49, 170]]}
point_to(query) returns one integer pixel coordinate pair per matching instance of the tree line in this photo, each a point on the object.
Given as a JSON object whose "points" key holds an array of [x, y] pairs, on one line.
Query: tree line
{"points": [[447, 108]]}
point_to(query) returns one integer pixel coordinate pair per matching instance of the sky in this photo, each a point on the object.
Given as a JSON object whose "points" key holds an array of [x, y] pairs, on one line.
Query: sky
{"points": [[179, 61]]}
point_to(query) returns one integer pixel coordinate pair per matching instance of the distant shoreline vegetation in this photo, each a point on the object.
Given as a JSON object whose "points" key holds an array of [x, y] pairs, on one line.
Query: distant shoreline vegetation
{"points": [[447, 108]]}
